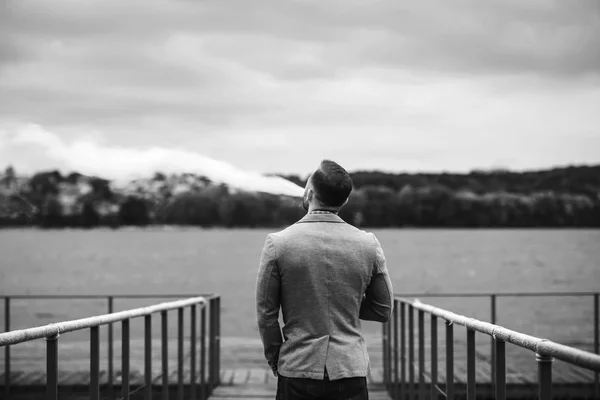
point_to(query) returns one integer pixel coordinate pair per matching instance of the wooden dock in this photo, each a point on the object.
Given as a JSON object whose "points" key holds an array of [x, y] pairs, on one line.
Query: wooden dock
{"points": [[244, 373], [267, 391]]}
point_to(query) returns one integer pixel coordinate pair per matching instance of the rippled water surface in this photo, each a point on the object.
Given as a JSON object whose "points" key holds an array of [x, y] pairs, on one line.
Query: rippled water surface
{"points": [[186, 261]]}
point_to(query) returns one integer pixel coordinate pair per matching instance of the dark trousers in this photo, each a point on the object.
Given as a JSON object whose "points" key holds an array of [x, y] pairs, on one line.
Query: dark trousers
{"points": [[317, 389]]}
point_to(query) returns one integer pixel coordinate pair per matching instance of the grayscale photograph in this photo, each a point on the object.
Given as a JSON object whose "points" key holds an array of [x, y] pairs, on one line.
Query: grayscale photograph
{"points": [[299, 200]]}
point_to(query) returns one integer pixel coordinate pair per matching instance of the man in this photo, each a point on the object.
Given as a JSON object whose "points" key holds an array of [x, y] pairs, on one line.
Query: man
{"points": [[326, 275]]}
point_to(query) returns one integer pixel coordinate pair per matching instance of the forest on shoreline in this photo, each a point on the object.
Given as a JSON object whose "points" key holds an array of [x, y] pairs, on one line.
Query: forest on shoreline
{"points": [[559, 197]]}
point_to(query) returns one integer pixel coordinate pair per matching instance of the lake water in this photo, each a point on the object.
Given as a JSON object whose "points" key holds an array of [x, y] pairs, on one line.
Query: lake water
{"points": [[186, 261]]}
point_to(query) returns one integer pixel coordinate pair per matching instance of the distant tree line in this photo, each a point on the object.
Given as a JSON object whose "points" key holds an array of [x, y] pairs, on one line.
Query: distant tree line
{"points": [[567, 180], [561, 197], [216, 206]]}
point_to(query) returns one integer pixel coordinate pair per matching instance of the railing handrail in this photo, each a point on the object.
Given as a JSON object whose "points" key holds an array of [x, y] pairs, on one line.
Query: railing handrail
{"points": [[497, 294], [541, 346], [107, 295], [55, 329]]}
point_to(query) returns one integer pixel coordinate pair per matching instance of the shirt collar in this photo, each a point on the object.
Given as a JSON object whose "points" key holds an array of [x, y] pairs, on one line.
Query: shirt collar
{"points": [[322, 216]]}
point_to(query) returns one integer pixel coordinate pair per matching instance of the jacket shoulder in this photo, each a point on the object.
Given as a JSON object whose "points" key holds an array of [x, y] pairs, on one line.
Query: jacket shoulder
{"points": [[299, 228], [285, 232]]}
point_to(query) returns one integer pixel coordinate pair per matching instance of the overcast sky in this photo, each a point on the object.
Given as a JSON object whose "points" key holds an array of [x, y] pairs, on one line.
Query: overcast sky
{"points": [[123, 86]]}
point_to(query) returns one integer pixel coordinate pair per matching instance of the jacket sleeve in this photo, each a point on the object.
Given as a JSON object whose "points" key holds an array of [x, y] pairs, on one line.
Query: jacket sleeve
{"points": [[268, 301], [378, 299]]}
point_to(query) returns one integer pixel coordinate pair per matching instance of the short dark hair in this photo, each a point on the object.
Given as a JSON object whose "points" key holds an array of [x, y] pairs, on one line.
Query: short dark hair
{"points": [[332, 184]]}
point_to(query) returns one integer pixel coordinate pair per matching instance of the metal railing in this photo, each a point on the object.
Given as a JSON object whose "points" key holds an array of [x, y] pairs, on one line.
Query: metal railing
{"points": [[395, 350], [52, 332]]}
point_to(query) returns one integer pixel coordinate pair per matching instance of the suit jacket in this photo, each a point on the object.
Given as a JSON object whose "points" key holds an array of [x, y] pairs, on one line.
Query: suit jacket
{"points": [[325, 275]]}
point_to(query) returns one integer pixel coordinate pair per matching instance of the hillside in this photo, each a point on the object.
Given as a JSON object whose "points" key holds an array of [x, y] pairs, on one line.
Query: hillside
{"points": [[559, 197]]}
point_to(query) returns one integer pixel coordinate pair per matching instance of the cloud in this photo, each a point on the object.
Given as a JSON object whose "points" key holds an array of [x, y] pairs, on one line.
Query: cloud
{"points": [[274, 86], [120, 163], [308, 38]]}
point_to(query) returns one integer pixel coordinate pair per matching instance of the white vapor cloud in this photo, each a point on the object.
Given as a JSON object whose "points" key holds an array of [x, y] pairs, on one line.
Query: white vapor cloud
{"points": [[120, 164]]}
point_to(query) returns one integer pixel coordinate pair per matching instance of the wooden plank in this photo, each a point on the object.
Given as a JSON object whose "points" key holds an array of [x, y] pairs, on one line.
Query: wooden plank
{"points": [[566, 373], [172, 376], [482, 372], [240, 376], [376, 375], [256, 376], [244, 390], [136, 377], [270, 379], [75, 378], [369, 377], [37, 378], [524, 377], [17, 378], [227, 376], [249, 391], [581, 374], [24, 378]]}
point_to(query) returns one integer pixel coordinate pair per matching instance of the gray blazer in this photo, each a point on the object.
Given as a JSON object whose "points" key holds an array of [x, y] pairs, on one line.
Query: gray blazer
{"points": [[325, 275]]}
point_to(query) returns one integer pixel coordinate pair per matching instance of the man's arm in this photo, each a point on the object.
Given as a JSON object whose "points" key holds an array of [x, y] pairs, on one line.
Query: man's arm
{"points": [[379, 297], [268, 302]]}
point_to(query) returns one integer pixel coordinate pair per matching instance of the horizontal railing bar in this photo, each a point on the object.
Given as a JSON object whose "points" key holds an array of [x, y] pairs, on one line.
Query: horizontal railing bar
{"points": [[541, 346], [104, 296], [25, 335], [498, 294], [170, 295]]}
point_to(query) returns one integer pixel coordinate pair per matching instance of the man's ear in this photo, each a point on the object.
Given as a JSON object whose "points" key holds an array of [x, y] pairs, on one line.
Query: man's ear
{"points": [[346, 202], [309, 194]]}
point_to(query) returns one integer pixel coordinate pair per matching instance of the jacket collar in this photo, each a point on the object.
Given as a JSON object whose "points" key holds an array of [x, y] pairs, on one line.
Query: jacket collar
{"points": [[322, 217]]}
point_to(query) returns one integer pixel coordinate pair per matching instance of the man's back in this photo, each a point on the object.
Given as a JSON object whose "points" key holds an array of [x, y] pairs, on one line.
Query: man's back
{"points": [[325, 275], [322, 267]]}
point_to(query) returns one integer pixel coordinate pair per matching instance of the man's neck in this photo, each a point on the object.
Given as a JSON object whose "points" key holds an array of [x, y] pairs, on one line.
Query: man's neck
{"points": [[318, 207]]}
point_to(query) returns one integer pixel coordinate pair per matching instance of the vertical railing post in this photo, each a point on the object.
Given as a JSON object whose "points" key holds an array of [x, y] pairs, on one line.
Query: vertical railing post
{"points": [[544, 376], [52, 367], [500, 369], [395, 338], [211, 345], [214, 346], [125, 359], [492, 344], [95, 363], [110, 350], [148, 357], [402, 350], [596, 341], [421, 354], [449, 360], [470, 364], [384, 350], [411, 352], [383, 355], [434, 356], [214, 343], [218, 338], [390, 351], [203, 390], [180, 353], [390, 345], [193, 341], [164, 342], [7, 349]]}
